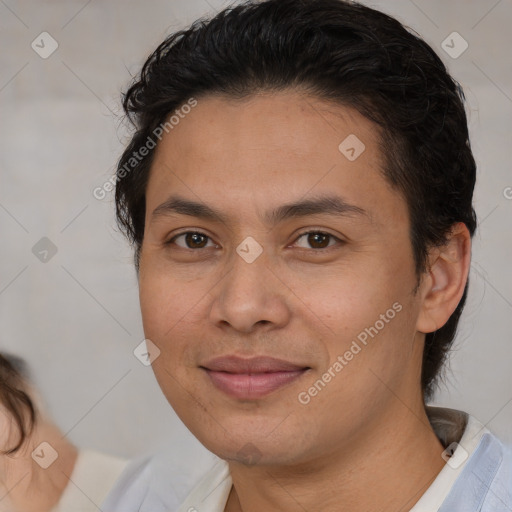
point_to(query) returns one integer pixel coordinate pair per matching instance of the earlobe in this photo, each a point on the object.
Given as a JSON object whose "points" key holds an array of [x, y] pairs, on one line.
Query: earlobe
{"points": [[443, 287]]}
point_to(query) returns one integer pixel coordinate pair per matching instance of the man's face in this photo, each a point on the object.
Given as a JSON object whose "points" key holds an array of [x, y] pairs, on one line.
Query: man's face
{"points": [[336, 304]]}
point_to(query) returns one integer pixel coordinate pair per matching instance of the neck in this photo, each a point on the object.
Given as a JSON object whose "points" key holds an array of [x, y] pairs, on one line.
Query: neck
{"points": [[32, 488], [388, 468]]}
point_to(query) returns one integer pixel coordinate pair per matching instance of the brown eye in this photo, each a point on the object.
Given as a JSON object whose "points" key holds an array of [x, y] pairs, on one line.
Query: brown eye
{"points": [[318, 239], [193, 240]]}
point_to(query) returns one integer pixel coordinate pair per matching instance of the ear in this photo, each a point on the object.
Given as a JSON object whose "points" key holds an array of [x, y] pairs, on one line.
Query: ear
{"points": [[442, 288]]}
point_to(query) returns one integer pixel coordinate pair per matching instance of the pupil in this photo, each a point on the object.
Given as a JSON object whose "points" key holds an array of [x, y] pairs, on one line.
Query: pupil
{"points": [[192, 238], [315, 237]]}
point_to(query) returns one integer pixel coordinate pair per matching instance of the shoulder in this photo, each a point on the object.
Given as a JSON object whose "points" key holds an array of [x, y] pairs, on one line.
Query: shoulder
{"points": [[131, 487], [485, 484], [160, 481], [501, 485], [93, 476]]}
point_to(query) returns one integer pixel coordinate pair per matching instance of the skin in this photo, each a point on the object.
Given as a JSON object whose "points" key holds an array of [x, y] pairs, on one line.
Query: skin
{"points": [[364, 442], [24, 485]]}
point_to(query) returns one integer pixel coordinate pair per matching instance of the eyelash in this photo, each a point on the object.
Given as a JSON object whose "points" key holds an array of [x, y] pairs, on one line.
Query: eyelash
{"points": [[300, 235]]}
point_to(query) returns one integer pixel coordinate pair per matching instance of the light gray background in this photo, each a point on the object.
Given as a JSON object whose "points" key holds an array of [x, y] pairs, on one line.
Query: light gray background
{"points": [[76, 317]]}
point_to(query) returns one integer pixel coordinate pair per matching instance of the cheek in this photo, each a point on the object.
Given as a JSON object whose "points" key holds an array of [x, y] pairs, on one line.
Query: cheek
{"points": [[160, 318], [167, 322], [164, 301], [370, 316], [348, 299], [173, 315]]}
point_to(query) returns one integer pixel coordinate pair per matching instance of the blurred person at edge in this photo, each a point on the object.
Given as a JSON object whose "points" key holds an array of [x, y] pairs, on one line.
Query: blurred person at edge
{"points": [[302, 237], [36, 477]]}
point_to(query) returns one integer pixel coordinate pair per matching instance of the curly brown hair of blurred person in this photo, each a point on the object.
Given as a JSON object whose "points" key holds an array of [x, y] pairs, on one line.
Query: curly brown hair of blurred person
{"points": [[14, 398]]}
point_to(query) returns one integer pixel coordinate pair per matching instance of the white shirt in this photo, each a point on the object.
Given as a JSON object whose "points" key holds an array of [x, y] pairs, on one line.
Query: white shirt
{"points": [[92, 478], [144, 488], [434, 496]]}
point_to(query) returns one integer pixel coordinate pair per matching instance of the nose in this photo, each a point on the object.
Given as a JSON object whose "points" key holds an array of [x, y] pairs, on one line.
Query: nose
{"points": [[250, 296]]}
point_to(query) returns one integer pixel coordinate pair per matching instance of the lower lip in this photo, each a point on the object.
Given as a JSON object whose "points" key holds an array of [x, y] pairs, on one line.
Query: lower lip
{"points": [[243, 385]]}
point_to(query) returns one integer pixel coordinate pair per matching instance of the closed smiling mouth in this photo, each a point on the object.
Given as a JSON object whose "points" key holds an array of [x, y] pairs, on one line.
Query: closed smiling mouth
{"points": [[251, 378]]}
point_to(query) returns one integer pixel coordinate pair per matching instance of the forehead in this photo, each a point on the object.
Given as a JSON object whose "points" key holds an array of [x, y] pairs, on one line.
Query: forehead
{"points": [[270, 149]]}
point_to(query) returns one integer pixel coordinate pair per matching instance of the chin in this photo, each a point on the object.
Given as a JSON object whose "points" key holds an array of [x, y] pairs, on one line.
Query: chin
{"points": [[254, 446]]}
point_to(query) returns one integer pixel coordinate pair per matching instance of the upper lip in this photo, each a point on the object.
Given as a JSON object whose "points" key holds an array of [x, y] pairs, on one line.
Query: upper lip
{"points": [[258, 364]]}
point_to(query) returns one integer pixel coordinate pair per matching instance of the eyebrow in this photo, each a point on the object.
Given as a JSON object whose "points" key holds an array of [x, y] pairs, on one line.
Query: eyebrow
{"points": [[324, 205]]}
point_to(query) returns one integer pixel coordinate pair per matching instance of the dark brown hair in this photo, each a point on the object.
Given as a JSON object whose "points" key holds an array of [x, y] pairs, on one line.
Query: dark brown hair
{"points": [[13, 375]]}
